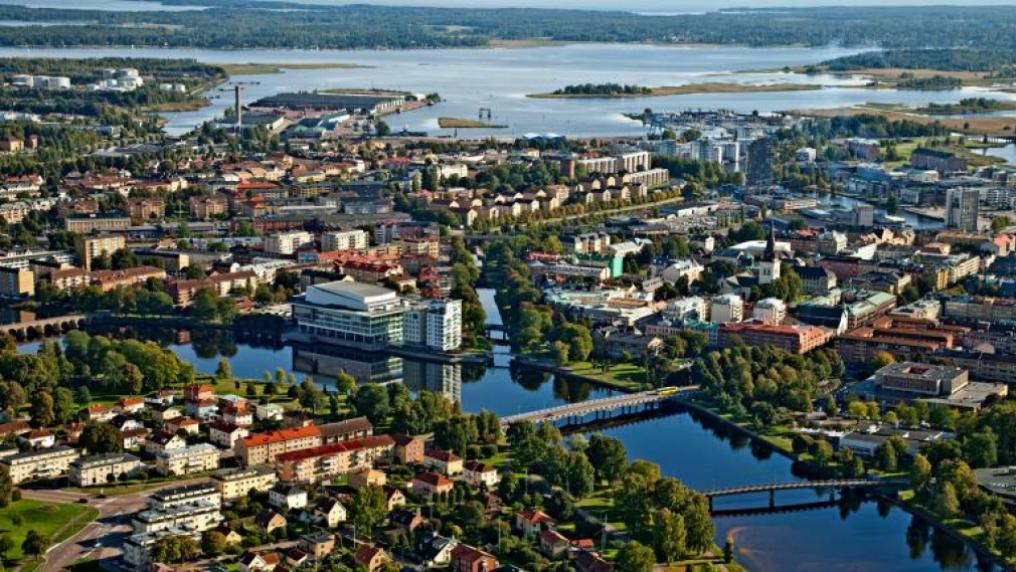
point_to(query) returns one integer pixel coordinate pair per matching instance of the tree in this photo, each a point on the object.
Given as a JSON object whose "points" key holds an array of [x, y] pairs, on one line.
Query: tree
{"points": [[34, 544], [981, 449], [372, 401], [101, 438], [64, 405], [368, 508], [920, 473], [6, 487], [6, 545], [213, 543], [728, 549], [345, 383], [634, 557], [669, 535], [882, 359], [947, 504], [608, 456], [205, 305], [311, 396], [43, 413], [223, 371]]}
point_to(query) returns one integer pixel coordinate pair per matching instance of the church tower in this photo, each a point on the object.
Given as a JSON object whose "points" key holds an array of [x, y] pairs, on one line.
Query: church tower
{"points": [[769, 266]]}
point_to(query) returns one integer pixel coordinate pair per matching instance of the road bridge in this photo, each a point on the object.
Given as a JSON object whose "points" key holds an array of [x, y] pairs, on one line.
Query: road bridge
{"points": [[771, 488], [627, 403]]}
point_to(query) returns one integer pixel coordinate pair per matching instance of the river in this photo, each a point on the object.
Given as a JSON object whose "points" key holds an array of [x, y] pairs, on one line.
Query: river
{"points": [[500, 78], [863, 535]]}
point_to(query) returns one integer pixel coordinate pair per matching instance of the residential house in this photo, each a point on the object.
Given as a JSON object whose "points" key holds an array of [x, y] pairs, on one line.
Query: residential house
{"points": [[466, 558], [370, 557], [445, 462], [430, 484], [287, 497]]}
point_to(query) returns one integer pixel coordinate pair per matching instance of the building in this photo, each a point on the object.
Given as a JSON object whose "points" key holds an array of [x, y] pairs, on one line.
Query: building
{"points": [[430, 484], [480, 474], [436, 324], [88, 248], [16, 282], [352, 312], [937, 160], [961, 208], [102, 469], [346, 430], [371, 558], [145, 209], [901, 336], [726, 308], [347, 240], [408, 449], [206, 207], [287, 497], [469, 559], [236, 483], [796, 339], [188, 460], [327, 461], [287, 243], [36, 465], [86, 224], [770, 311], [445, 462], [108, 280], [262, 448]]}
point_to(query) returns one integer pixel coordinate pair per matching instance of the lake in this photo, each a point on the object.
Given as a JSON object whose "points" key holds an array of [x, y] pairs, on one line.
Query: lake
{"points": [[500, 78]]}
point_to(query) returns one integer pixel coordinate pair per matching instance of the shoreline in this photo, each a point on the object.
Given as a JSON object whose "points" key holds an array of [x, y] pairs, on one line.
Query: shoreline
{"points": [[686, 89]]}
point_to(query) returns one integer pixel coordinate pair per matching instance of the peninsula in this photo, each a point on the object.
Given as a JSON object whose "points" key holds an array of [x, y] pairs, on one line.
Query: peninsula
{"points": [[590, 91]]}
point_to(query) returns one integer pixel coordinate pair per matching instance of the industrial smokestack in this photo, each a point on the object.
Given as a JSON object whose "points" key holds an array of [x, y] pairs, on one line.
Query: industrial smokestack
{"points": [[239, 107]]}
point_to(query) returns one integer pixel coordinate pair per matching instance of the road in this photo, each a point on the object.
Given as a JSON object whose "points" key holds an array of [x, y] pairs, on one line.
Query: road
{"points": [[101, 538]]}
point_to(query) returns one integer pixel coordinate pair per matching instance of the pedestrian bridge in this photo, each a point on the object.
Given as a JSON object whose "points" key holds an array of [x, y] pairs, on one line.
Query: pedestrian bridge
{"points": [[629, 402], [771, 488]]}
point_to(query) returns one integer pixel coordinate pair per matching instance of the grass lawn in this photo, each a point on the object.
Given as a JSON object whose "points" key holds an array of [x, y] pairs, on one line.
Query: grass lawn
{"points": [[57, 521], [624, 376]]}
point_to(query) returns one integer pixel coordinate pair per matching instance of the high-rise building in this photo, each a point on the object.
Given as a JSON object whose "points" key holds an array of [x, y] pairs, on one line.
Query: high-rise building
{"points": [[759, 173], [862, 215], [961, 209]]}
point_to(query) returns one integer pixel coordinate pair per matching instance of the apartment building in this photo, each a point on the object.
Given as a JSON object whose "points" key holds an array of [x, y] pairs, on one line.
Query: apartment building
{"points": [[95, 223], [188, 460], [262, 448], [204, 207], [346, 240], [287, 243], [145, 209], [794, 339], [36, 465], [98, 470], [16, 282], [327, 461], [88, 248], [108, 280], [236, 483]]}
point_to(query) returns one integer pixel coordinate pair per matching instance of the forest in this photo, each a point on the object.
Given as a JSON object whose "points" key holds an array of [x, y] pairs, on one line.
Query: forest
{"points": [[248, 24]]}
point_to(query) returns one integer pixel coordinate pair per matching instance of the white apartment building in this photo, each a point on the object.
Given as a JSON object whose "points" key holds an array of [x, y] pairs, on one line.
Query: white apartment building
{"points": [[772, 311], [102, 469], [444, 325], [727, 308], [36, 465], [287, 243], [236, 483], [188, 460], [346, 240]]}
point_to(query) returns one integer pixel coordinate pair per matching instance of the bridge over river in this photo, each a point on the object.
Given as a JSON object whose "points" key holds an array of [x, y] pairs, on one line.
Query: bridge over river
{"points": [[627, 403], [771, 488]]}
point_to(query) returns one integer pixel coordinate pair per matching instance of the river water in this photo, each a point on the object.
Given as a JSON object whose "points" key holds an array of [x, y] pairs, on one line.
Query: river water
{"points": [[499, 79], [863, 535]]}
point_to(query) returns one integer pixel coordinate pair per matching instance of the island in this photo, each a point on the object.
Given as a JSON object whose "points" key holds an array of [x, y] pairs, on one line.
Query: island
{"points": [[598, 91], [459, 123]]}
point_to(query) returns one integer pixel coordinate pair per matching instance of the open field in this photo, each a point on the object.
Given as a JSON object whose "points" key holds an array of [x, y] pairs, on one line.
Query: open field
{"points": [[56, 521], [687, 89], [256, 68], [458, 123], [984, 125]]}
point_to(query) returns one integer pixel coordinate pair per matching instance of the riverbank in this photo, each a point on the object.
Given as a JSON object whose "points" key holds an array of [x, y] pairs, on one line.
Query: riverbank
{"points": [[686, 89], [992, 125], [909, 504], [627, 378]]}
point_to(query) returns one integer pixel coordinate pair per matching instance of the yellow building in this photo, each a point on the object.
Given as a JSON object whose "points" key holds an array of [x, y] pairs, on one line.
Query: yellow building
{"points": [[102, 469], [188, 460], [36, 465], [236, 483], [89, 248]]}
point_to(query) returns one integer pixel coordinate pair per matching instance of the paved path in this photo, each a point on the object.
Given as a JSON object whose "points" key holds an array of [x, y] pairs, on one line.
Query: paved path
{"points": [[101, 538]]}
